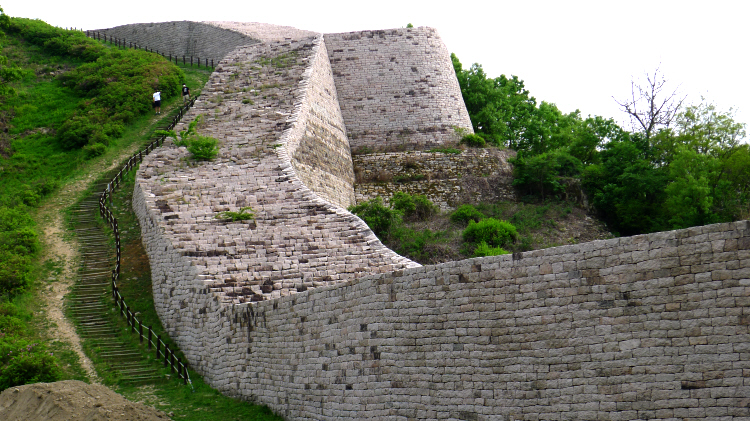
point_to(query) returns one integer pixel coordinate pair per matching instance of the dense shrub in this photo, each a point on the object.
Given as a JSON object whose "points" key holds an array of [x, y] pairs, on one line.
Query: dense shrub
{"points": [[93, 150], [377, 216], [417, 207], [474, 141], [483, 250], [55, 40], [491, 231], [203, 148], [22, 363], [21, 360], [466, 213], [18, 245]]}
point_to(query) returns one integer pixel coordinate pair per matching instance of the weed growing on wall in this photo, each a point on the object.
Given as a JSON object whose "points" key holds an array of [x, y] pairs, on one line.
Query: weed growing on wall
{"points": [[243, 214], [201, 148]]}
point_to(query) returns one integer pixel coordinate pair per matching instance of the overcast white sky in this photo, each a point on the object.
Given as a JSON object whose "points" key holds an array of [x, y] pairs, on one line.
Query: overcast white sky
{"points": [[577, 54]]}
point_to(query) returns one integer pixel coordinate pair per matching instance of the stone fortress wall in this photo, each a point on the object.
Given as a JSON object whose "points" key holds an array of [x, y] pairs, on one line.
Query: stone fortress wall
{"points": [[397, 88], [647, 327], [182, 38], [447, 179], [319, 149]]}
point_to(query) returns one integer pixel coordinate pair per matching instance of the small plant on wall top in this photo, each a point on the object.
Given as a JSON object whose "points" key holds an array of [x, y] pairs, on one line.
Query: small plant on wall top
{"points": [[243, 214], [201, 148]]}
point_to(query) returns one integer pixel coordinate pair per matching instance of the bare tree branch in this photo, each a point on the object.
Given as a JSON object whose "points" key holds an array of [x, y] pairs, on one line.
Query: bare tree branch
{"points": [[650, 106]]}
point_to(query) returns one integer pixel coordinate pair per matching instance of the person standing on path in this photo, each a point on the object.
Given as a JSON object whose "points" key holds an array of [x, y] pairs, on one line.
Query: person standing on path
{"points": [[185, 94], [157, 102]]}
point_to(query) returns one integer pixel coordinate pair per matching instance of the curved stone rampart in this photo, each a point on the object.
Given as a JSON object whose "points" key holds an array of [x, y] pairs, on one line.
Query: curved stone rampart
{"points": [[317, 145], [182, 38], [255, 105], [304, 310], [398, 89]]}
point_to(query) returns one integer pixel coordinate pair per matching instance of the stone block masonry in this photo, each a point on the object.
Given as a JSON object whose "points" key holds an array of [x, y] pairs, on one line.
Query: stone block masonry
{"points": [[397, 89], [265, 32], [182, 38], [304, 310], [447, 179]]}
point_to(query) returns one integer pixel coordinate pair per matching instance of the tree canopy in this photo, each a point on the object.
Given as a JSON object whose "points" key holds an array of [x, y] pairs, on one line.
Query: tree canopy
{"points": [[680, 165]]}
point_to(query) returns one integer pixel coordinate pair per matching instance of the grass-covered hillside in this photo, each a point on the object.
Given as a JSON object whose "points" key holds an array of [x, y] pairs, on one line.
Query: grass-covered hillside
{"points": [[68, 103], [70, 109]]}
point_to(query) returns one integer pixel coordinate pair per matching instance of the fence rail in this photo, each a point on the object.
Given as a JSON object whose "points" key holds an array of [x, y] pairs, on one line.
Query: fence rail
{"points": [[153, 340], [123, 43]]}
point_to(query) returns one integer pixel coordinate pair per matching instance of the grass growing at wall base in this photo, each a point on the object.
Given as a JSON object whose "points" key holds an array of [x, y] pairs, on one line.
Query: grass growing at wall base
{"points": [[135, 285]]}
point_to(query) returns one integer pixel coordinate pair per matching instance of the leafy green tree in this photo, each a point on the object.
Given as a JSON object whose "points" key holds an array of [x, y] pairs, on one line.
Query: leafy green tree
{"points": [[591, 134], [500, 109], [627, 188], [542, 174], [689, 200]]}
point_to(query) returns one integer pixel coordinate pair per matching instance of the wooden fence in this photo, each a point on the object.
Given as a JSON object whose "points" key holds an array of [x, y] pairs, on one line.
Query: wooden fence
{"points": [[145, 333]]}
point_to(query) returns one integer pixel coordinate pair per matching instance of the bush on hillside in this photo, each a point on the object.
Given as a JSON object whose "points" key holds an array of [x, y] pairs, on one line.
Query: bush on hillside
{"points": [[417, 207], [474, 141], [23, 362], [115, 85], [484, 250], [93, 150], [465, 213], [18, 245], [491, 231], [377, 216], [56, 41]]}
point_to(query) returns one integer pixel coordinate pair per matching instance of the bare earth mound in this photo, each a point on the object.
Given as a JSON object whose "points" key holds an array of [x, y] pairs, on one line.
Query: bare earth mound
{"points": [[71, 400]]}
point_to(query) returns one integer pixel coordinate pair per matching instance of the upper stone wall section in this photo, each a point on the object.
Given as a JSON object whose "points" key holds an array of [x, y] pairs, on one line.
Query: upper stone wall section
{"points": [[317, 146], [397, 88], [182, 38], [265, 32], [255, 103]]}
